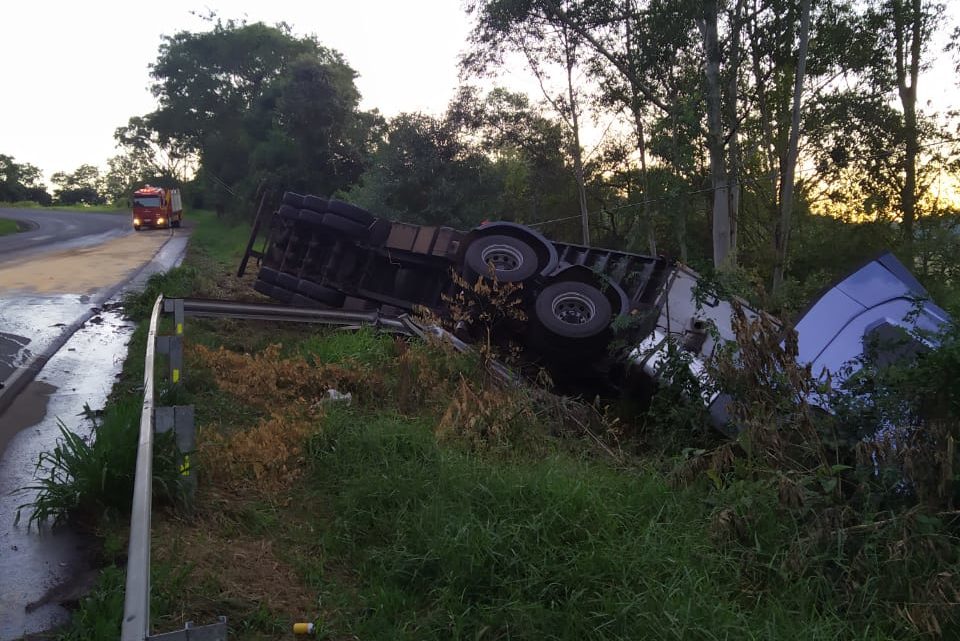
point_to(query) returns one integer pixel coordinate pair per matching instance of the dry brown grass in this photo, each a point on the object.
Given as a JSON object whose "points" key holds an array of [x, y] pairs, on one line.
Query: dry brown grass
{"points": [[486, 417], [266, 381]]}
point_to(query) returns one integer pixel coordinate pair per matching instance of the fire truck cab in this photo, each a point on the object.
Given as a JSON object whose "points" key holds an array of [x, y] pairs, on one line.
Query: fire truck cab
{"points": [[156, 207]]}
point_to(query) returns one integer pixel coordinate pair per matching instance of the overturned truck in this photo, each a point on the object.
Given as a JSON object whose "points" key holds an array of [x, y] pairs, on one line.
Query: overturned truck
{"points": [[323, 253]]}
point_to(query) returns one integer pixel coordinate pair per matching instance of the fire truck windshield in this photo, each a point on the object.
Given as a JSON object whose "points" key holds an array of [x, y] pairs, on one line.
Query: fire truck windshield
{"points": [[146, 201]]}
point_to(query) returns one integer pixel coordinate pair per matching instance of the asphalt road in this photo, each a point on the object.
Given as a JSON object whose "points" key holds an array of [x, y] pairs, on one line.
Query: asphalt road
{"points": [[59, 230], [75, 267]]}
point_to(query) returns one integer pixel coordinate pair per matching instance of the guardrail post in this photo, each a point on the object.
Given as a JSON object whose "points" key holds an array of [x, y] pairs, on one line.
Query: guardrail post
{"points": [[173, 345], [179, 418]]}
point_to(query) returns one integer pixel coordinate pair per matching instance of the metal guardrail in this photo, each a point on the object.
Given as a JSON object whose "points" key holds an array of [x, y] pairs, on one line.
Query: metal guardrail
{"points": [[136, 600], [402, 324], [136, 604]]}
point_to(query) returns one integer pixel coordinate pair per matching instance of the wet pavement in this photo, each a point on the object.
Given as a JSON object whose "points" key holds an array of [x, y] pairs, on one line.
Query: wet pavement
{"points": [[81, 372], [34, 562]]}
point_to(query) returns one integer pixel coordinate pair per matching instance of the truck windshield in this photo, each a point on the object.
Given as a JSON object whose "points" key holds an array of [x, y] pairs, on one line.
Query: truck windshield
{"points": [[146, 201]]}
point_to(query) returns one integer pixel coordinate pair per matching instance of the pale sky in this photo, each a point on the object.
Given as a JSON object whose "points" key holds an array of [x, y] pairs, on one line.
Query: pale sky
{"points": [[74, 71]]}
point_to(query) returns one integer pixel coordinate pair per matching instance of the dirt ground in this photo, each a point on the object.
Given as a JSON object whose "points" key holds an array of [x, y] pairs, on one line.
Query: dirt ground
{"points": [[84, 270]]}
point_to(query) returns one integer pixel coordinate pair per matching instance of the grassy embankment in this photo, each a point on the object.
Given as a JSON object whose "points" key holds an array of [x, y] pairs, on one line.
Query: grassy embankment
{"points": [[8, 227], [439, 505]]}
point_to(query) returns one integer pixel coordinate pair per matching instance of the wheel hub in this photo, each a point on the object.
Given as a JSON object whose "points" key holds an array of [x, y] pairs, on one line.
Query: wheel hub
{"points": [[503, 258], [573, 308]]}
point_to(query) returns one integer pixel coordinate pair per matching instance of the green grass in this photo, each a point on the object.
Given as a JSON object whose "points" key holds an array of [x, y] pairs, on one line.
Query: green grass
{"points": [[8, 227], [364, 347], [447, 545], [217, 240], [99, 614]]}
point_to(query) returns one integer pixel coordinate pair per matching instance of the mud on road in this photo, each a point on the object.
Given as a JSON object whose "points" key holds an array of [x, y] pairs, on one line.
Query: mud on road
{"points": [[84, 270]]}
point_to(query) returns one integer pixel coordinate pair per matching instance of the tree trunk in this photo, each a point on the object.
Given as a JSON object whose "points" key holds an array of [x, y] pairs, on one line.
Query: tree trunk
{"points": [[782, 233], [578, 154], [733, 169], [908, 25], [637, 109], [718, 174]]}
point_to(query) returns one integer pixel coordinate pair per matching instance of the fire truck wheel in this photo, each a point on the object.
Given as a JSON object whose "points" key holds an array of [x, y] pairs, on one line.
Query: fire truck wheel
{"points": [[572, 309], [513, 259], [136, 228], [320, 293], [293, 199], [315, 203], [288, 211], [348, 228], [352, 213]]}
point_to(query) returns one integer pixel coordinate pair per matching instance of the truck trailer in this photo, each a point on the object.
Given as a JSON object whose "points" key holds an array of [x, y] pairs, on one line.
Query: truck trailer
{"points": [[593, 316]]}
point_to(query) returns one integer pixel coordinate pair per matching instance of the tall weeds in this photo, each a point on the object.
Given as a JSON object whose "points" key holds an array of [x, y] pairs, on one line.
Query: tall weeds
{"points": [[860, 500], [86, 479]]}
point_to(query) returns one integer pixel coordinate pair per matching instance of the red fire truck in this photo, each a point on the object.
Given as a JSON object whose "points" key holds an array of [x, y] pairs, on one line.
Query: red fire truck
{"points": [[156, 207]]}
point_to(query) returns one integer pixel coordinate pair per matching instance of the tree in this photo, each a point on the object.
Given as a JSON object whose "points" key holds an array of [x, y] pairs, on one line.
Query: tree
{"points": [[880, 154], [422, 173], [259, 108], [21, 181], [153, 154], [130, 170], [620, 37], [544, 43], [528, 151], [83, 186], [782, 229]]}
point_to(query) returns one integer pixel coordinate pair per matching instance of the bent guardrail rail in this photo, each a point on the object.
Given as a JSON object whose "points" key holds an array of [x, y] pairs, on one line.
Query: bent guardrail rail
{"points": [[136, 601]]}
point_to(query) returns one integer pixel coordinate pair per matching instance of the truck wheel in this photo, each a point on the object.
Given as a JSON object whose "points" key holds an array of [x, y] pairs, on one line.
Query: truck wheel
{"points": [[288, 212], [310, 217], [293, 199], [315, 203], [264, 288], [320, 293], [299, 300], [136, 228], [513, 259], [276, 293], [571, 309], [353, 213], [268, 275], [287, 281], [346, 227]]}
